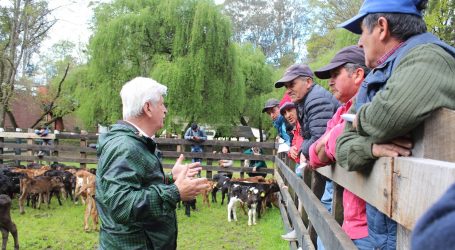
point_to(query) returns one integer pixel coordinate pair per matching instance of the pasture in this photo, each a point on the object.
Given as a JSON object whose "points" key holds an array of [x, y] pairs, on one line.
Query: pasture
{"points": [[207, 228]]}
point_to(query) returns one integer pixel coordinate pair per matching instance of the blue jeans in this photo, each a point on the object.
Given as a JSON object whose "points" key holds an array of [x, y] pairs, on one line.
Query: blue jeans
{"points": [[363, 243], [326, 200], [381, 229], [196, 149]]}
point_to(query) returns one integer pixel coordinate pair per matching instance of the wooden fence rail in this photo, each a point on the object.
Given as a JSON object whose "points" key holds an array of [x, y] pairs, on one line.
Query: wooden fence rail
{"points": [[403, 188]]}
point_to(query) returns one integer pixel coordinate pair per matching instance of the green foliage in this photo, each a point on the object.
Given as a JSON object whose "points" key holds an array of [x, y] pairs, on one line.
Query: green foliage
{"points": [[183, 44], [439, 19]]}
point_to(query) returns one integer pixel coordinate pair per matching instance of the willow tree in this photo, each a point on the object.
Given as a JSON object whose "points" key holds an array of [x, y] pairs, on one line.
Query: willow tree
{"points": [[183, 44]]}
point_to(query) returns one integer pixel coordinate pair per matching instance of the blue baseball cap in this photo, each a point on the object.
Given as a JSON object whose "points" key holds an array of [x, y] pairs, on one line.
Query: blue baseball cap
{"points": [[381, 6]]}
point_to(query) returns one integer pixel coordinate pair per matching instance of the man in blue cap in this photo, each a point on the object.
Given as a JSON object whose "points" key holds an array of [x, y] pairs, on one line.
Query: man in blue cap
{"points": [[412, 76]]}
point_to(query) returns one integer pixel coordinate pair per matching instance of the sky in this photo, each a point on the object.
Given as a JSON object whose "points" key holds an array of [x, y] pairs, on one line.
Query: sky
{"points": [[73, 19]]}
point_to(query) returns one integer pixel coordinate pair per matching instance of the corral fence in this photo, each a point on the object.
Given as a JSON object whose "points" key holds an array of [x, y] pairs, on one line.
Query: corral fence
{"points": [[403, 188], [17, 148]]}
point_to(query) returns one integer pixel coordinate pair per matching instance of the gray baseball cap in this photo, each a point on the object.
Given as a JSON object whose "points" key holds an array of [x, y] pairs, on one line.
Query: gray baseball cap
{"points": [[270, 103], [351, 54], [293, 72]]}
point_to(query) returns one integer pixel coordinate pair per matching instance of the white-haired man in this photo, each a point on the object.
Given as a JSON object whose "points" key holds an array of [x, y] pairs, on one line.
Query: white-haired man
{"points": [[135, 199]]}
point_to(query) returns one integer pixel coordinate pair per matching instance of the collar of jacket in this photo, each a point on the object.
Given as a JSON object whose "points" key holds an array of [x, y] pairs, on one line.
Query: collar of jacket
{"points": [[151, 145]]}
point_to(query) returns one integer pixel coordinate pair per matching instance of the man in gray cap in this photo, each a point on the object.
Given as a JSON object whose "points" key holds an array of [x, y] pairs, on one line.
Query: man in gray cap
{"points": [[315, 106], [412, 76], [345, 72], [271, 107]]}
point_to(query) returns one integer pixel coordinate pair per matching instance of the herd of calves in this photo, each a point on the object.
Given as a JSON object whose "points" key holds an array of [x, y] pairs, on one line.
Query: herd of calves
{"points": [[36, 184], [256, 193]]}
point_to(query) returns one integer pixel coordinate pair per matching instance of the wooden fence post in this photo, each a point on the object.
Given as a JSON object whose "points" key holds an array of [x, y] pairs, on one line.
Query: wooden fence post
{"points": [[83, 144], [209, 162], [2, 140]]}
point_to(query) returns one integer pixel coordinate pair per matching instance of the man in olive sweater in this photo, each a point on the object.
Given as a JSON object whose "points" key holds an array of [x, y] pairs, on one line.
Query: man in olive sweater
{"points": [[412, 76]]}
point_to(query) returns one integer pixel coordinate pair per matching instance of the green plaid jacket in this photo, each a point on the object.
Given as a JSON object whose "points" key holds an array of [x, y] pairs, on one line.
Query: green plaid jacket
{"points": [[135, 206]]}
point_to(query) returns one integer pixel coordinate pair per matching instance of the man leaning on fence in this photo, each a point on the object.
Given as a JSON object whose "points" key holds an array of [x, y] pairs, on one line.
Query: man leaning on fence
{"points": [[136, 201], [346, 72], [412, 76]]}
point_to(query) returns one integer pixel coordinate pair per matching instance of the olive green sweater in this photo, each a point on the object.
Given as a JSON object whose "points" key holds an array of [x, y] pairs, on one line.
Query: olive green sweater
{"points": [[422, 82]]}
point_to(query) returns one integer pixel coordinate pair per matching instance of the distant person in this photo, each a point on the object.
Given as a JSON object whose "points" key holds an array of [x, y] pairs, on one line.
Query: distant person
{"points": [[255, 164], [43, 132], [272, 108], [196, 135], [135, 199], [226, 163]]}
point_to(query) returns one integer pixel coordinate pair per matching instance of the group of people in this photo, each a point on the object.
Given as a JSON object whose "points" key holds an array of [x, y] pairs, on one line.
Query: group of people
{"points": [[391, 81]]}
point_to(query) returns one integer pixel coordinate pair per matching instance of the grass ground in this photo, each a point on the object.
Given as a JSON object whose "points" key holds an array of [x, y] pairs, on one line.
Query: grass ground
{"points": [[207, 228]]}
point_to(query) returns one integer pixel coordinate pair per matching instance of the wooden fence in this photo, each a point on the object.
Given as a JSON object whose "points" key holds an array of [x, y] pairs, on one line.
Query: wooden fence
{"points": [[402, 187], [74, 148]]}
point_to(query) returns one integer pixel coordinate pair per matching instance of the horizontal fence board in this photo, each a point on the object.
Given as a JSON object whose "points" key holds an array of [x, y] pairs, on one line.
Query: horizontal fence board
{"points": [[303, 237], [233, 169], [25, 135], [330, 232], [48, 158], [286, 222], [220, 143], [48, 147], [231, 156], [417, 184], [374, 186]]}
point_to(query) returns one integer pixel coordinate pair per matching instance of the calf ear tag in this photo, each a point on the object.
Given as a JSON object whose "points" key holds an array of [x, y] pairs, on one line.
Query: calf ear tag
{"points": [[263, 194]]}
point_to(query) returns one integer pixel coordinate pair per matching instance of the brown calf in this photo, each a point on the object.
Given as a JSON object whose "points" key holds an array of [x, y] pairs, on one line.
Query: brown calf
{"points": [[41, 185], [87, 190], [6, 224]]}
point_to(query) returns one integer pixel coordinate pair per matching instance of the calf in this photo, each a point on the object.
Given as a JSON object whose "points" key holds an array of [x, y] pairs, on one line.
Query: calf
{"points": [[222, 183], [244, 194], [6, 224], [205, 193], [88, 191], [41, 185]]}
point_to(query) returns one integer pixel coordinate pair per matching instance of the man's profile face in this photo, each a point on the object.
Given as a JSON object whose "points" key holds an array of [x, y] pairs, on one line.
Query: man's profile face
{"points": [[342, 84], [158, 114], [369, 41], [273, 112], [298, 88]]}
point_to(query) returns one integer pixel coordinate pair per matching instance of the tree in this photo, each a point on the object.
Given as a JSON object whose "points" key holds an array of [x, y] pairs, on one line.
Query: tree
{"points": [[279, 28], [23, 26], [185, 45], [439, 19]]}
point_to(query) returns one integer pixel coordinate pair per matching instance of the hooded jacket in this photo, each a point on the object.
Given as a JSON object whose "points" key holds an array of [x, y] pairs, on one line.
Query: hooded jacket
{"points": [[135, 206]]}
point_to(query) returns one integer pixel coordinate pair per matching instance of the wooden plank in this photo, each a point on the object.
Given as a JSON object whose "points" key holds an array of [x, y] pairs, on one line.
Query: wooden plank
{"points": [[232, 169], [403, 238], [209, 155], [302, 234], [286, 223], [337, 203], [54, 147], [330, 232], [219, 143], [25, 135], [374, 186], [417, 184], [48, 158], [435, 138]]}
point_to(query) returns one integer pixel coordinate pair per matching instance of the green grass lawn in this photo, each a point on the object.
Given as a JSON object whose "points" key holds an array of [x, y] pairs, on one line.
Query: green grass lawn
{"points": [[207, 228]]}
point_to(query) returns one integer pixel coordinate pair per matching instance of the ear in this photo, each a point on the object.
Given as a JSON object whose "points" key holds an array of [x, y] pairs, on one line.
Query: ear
{"points": [[383, 26], [359, 75], [309, 82], [147, 108]]}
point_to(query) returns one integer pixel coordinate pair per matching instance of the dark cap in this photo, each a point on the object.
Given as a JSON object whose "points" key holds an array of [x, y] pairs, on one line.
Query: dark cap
{"points": [[382, 6], [351, 54], [270, 103], [286, 106], [194, 126], [293, 72]]}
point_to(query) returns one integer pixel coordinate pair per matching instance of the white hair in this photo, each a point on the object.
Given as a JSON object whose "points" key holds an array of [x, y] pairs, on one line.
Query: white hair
{"points": [[137, 92]]}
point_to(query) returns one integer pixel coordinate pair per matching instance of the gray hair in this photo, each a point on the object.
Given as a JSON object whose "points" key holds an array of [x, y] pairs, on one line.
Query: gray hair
{"points": [[351, 67], [402, 26], [137, 92]]}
